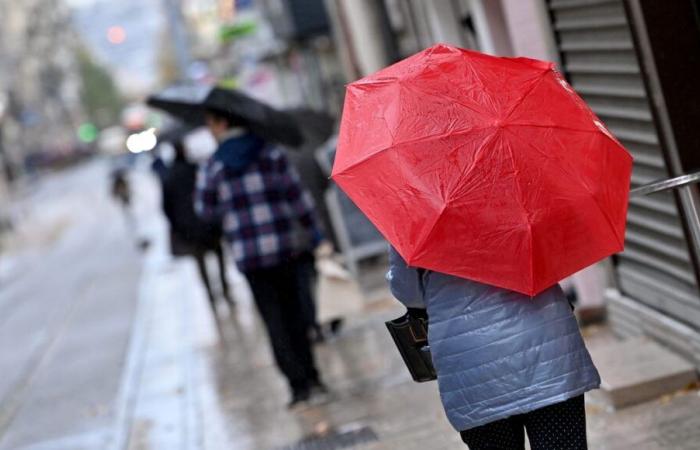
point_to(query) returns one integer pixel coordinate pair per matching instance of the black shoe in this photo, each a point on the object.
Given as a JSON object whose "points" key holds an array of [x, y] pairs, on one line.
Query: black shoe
{"points": [[299, 398], [336, 325]]}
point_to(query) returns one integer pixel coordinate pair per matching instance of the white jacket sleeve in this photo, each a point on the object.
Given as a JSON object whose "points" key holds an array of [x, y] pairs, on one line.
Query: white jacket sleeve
{"points": [[405, 282]]}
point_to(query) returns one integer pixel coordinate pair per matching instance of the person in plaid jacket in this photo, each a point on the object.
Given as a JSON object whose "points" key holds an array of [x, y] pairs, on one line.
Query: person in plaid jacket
{"points": [[268, 220]]}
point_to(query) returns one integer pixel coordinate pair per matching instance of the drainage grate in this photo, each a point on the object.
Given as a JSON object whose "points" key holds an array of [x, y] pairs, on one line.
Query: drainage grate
{"points": [[336, 440]]}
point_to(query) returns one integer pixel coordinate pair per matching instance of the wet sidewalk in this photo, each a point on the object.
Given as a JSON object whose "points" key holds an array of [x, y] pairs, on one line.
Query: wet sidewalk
{"points": [[67, 304], [112, 349], [195, 383], [202, 384]]}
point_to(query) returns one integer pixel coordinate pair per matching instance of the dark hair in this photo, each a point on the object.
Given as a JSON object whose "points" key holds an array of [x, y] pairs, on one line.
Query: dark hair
{"points": [[231, 121], [218, 115]]}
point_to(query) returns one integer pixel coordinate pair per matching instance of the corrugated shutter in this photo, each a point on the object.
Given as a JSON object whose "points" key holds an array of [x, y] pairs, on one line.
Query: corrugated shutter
{"points": [[598, 58]]}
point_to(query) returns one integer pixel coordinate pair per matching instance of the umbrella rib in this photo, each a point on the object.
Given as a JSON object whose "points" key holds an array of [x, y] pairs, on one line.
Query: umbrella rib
{"points": [[475, 73], [535, 84], [413, 141], [534, 147], [473, 108], [581, 183], [537, 149], [609, 221], [427, 235], [467, 170], [362, 82], [526, 217], [557, 127]]}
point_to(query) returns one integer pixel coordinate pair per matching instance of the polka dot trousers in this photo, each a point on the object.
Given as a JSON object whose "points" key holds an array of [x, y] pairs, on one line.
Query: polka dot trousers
{"points": [[561, 426]]}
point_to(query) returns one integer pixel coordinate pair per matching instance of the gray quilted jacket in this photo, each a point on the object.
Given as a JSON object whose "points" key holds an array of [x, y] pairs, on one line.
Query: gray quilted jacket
{"points": [[497, 353]]}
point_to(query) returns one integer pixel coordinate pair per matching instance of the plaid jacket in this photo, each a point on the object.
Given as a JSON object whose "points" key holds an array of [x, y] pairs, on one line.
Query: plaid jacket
{"points": [[267, 215]]}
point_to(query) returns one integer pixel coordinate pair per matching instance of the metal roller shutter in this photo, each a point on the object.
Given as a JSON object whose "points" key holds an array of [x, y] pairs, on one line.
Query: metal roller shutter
{"points": [[598, 58]]}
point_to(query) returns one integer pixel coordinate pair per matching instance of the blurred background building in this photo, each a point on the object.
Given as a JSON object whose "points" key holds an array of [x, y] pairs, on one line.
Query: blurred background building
{"points": [[74, 75], [40, 83], [124, 38], [615, 54]]}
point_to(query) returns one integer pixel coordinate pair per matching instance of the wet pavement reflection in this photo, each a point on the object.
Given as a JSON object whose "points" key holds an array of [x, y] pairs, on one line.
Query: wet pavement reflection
{"points": [[213, 383], [240, 398], [138, 361]]}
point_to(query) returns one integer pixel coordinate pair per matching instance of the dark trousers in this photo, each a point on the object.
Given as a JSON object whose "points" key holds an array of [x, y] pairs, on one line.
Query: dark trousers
{"points": [[561, 426], [279, 300], [200, 254], [307, 275]]}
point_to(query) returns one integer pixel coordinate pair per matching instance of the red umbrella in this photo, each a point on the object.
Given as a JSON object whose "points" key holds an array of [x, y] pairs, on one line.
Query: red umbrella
{"points": [[487, 168]]}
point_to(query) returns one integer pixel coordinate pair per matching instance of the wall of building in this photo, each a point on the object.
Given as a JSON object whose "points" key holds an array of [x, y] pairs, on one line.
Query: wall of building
{"points": [[362, 19], [529, 29], [41, 78]]}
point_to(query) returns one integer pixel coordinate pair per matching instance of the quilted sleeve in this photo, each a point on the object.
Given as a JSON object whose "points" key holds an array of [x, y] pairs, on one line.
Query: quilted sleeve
{"points": [[404, 281]]}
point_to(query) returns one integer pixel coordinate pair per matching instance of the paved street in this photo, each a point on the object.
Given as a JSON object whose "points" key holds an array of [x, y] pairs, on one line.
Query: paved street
{"points": [[105, 347], [65, 317]]}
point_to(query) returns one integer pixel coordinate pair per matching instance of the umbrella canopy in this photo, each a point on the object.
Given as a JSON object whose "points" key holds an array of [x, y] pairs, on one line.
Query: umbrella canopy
{"points": [[183, 101], [175, 131], [316, 127], [487, 168], [190, 102]]}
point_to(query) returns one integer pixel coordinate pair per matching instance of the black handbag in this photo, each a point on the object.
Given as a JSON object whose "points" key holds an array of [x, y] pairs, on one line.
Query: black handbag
{"points": [[410, 334]]}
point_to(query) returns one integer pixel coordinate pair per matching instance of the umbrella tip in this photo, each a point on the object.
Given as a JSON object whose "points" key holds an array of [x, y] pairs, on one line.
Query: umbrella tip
{"points": [[442, 47]]}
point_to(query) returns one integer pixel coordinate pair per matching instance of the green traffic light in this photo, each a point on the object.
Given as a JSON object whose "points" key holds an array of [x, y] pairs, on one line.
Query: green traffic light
{"points": [[87, 132]]}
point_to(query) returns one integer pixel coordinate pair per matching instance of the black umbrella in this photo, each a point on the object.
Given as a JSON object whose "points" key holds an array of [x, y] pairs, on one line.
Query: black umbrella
{"points": [[316, 126], [175, 131], [184, 101], [190, 102]]}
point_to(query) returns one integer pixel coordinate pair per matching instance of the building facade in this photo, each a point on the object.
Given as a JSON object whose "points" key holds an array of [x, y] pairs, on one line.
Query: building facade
{"points": [[39, 81], [600, 48], [614, 53]]}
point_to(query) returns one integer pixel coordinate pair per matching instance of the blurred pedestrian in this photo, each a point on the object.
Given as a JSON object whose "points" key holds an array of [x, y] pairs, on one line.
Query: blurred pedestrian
{"points": [[506, 363], [189, 234], [269, 221], [158, 166], [305, 165], [120, 187], [316, 127], [121, 192], [308, 278]]}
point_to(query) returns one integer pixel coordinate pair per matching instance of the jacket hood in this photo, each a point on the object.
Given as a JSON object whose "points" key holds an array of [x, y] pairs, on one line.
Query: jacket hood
{"points": [[238, 152]]}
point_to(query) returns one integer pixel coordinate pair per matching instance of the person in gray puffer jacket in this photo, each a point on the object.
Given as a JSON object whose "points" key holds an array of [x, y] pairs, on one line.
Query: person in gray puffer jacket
{"points": [[505, 362]]}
